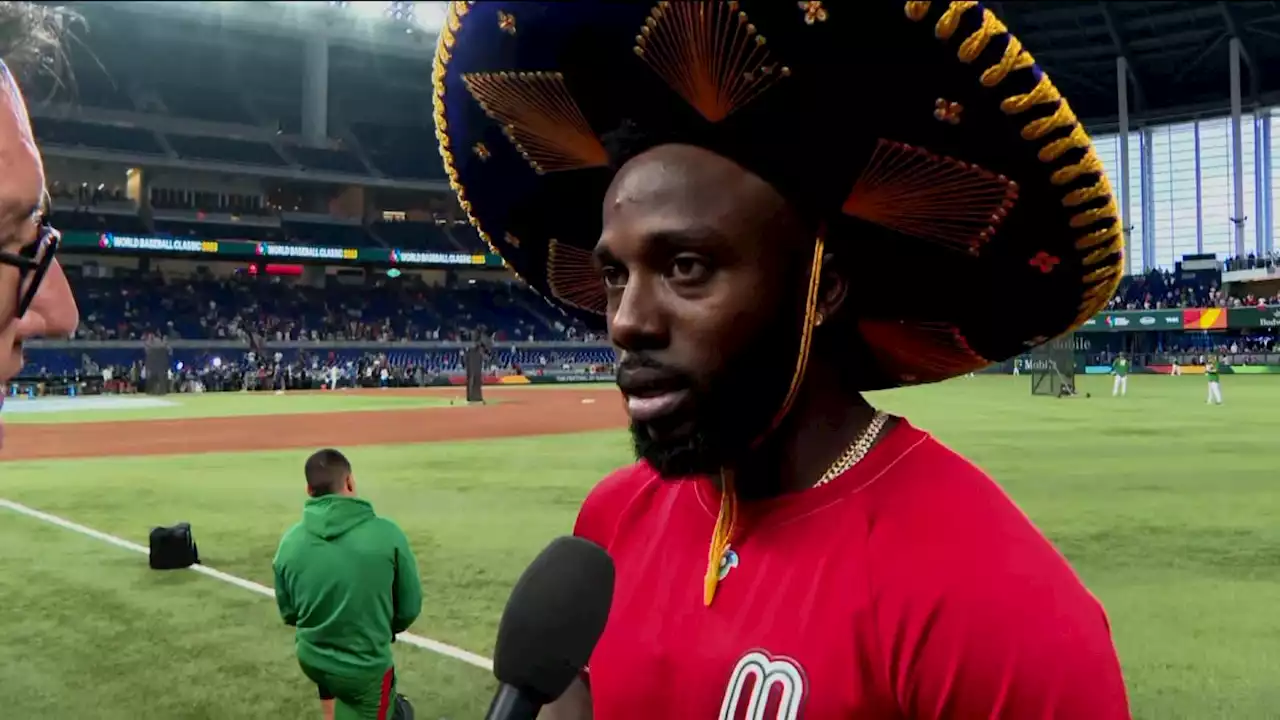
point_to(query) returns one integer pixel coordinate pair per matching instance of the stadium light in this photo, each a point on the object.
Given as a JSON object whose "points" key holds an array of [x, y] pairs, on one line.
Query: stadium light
{"points": [[401, 11], [414, 16], [430, 15]]}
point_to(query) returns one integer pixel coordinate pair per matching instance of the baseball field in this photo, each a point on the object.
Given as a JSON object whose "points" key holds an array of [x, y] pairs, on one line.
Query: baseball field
{"points": [[1169, 508]]}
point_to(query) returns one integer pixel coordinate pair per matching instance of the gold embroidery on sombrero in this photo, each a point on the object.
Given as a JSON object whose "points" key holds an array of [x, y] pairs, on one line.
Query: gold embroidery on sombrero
{"points": [[540, 118], [573, 279], [813, 11], [709, 53], [439, 69], [917, 10], [512, 240], [936, 349], [1102, 246], [507, 22], [480, 150], [947, 111], [931, 197]]}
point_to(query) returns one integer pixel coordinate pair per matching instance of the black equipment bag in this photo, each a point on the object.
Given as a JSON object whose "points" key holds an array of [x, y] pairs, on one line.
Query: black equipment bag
{"points": [[403, 710], [173, 548]]}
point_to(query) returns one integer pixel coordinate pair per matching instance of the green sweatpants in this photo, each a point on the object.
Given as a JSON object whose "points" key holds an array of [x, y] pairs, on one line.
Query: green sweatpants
{"points": [[362, 697]]}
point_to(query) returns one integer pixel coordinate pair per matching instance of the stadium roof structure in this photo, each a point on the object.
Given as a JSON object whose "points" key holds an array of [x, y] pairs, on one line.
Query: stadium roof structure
{"points": [[1177, 54], [400, 29]]}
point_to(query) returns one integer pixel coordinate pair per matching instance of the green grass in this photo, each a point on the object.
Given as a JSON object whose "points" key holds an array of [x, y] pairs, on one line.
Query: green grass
{"points": [[1166, 506], [234, 404]]}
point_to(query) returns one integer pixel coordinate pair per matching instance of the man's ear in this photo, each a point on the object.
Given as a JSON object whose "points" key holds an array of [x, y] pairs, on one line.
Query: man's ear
{"points": [[832, 289], [310, 491], [351, 483]]}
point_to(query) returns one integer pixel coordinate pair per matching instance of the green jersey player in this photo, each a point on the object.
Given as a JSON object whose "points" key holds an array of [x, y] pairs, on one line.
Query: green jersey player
{"points": [[1120, 368], [1215, 387]]}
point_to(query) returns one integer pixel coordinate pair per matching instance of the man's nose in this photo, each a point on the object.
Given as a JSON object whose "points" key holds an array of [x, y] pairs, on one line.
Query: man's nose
{"points": [[53, 312], [638, 322]]}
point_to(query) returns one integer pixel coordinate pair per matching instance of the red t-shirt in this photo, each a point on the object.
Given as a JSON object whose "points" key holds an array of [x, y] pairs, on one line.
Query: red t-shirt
{"points": [[909, 587]]}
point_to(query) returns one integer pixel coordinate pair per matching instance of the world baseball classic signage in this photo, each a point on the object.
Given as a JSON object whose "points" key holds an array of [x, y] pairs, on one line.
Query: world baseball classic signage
{"points": [[1134, 321]]}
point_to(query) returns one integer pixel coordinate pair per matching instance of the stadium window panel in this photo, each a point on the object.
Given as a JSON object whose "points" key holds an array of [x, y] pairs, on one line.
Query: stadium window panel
{"points": [[1108, 148], [1249, 189], [1162, 197], [1275, 177], [1219, 185], [1174, 192], [1216, 191], [1135, 200]]}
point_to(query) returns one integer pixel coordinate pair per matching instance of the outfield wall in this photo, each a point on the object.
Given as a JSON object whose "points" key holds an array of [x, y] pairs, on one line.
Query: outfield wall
{"points": [[61, 356]]}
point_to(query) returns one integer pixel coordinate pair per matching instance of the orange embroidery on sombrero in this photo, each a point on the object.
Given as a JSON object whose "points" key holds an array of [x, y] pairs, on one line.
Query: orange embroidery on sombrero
{"points": [[709, 53], [540, 119], [931, 197]]}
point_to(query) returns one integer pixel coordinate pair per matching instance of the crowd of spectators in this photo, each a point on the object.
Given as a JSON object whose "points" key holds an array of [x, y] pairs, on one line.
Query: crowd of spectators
{"points": [[242, 307], [1161, 289], [1253, 261]]}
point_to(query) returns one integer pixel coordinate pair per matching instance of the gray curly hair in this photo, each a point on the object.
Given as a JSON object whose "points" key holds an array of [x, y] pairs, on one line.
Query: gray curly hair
{"points": [[31, 36]]}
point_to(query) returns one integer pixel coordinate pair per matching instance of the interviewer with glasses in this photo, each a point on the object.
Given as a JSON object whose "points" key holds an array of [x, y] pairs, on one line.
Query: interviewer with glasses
{"points": [[35, 298]]}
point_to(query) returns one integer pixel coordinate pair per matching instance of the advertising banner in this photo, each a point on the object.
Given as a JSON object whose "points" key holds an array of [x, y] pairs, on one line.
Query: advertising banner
{"points": [[1134, 320], [1268, 317], [569, 378], [1193, 319], [1253, 369], [249, 251], [1204, 319]]}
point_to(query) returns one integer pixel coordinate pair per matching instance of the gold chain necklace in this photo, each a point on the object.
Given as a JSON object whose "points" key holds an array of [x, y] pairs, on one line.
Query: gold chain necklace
{"points": [[856, 450]]}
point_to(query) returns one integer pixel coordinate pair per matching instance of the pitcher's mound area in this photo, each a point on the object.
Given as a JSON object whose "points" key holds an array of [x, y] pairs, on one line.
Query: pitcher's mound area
{"points": [[520, 412]]}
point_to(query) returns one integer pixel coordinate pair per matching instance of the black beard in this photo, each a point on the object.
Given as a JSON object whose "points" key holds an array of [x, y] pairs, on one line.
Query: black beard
{"points": [[727, 420], [683, 456]]}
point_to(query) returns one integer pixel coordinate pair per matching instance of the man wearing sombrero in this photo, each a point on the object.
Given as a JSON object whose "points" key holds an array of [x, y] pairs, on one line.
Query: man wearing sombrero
{"points": [[776, 206]]}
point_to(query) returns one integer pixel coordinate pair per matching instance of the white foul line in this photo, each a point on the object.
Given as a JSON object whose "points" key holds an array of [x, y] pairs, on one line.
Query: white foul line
{"points": [[409, 638]]}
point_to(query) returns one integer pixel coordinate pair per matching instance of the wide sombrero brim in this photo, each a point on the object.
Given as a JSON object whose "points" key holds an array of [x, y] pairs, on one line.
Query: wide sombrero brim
{"points": [[921, 135]]}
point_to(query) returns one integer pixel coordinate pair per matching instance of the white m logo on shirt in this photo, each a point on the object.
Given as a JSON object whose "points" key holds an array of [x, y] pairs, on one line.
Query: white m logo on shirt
{"points": [[755, 679]]}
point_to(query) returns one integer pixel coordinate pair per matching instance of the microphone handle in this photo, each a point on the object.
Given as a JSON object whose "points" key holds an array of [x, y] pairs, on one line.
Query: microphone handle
{"points": [[511, 704]]}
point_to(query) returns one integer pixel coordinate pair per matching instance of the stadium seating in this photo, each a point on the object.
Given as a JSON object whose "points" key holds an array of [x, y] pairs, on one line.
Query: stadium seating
{"points": [[401, 152], [211, 103], [418, 236], [71, 133], [314, 233], [210, 308], [339, 161], [218, 231], [244, 152], [1160, 289]]}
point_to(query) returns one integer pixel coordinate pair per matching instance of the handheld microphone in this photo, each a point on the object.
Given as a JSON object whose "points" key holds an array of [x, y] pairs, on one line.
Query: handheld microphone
{"points": [[553, 619]]}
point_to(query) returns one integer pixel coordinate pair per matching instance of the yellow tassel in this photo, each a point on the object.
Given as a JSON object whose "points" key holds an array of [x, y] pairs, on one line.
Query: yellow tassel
{"points": [[726, 519], [806, 338]]}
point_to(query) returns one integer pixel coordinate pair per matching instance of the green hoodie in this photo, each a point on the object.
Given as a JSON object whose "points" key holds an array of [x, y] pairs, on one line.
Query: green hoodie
{"points": [[348, 581]]}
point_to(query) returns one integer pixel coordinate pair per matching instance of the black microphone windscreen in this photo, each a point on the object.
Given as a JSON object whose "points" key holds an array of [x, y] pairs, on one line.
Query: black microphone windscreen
{"points": [[554, 617]]}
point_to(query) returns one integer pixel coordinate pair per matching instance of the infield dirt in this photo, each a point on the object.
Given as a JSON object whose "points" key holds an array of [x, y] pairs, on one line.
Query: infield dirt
{"points": [[518, 412]]}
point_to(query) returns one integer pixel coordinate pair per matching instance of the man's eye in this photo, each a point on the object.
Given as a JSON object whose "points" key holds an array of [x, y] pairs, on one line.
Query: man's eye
{"points": [[687, 269], [613, 277]]}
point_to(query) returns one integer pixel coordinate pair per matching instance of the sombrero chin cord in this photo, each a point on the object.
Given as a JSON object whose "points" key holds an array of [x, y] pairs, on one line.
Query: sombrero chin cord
{"points": [[727, 519]]}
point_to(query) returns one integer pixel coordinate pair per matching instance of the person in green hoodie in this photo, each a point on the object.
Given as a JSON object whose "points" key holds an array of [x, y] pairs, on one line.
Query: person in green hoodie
{"points": [[347, 580]]}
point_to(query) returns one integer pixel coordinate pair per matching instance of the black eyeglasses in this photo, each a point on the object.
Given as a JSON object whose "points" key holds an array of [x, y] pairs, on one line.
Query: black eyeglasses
{"points": [[33, 263]]}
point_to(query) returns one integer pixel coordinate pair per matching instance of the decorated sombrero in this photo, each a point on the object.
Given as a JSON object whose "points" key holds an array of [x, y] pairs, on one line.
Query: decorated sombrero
{"points": [[920, 135]]}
